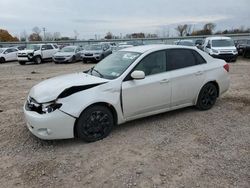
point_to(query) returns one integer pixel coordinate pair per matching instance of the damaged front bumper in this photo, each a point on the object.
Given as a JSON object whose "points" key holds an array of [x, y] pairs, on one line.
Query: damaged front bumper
{"points": [[49, 126]]}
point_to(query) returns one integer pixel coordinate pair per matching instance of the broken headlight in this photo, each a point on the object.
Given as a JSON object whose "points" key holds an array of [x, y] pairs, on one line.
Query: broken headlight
{"points": [[48, 108]]}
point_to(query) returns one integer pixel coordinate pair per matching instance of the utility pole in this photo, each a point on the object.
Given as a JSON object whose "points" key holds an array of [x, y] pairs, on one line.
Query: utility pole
{"points": [[44, 29]]}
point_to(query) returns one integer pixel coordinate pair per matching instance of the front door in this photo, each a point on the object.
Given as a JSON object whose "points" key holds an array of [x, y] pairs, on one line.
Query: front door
{"points": [[150, 94]]}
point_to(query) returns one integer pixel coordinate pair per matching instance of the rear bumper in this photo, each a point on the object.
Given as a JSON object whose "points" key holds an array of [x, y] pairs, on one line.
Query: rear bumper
{"points": [[55, 125], [226, 57]]}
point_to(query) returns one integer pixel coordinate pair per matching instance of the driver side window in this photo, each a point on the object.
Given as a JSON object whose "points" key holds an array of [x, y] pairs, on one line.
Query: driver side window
{"points": [[154, 63]]}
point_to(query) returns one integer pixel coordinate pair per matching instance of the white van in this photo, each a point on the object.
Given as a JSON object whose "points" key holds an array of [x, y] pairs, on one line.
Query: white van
{"points": [[221, 47]]}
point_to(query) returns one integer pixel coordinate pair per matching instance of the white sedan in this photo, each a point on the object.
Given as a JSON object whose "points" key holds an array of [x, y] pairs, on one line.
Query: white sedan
{"points": [[129, 84]]}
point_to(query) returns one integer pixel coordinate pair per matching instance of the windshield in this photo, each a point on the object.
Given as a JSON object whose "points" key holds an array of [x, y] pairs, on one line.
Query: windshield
{"points": [[68, 49], [33, 47], [222, 43], [114, 65], [186, 43], [93, 47]]}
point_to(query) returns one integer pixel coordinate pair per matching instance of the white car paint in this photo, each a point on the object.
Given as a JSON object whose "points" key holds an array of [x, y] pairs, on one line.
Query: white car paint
{"points": [[223, 52], [8, 54], [40, 50], [131, 99]]}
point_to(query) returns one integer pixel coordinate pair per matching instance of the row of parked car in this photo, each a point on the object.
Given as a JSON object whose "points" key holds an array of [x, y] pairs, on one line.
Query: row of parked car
{"points": [[218, 47]]}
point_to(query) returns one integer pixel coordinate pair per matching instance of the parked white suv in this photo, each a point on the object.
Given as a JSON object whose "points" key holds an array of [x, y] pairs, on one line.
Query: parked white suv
{"points": [[36, 53], [8, 54], [221, 47]]}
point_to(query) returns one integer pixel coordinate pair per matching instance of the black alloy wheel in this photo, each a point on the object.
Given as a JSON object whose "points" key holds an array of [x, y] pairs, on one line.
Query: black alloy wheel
{"points": [[207, 97], [95, 123]]}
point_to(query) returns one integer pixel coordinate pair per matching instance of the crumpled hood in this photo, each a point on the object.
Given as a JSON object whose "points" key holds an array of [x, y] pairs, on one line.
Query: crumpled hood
{"points": [[50, 89], [63, 54], [25, 51]]}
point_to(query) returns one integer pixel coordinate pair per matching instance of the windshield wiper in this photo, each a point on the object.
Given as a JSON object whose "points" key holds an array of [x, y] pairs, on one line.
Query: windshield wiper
{"points": [[93, 69]]}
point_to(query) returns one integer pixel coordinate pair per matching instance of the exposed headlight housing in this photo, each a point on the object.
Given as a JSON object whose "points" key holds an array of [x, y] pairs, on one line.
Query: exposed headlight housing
{"points": [[45, 108], [48, 108], [30, 55]]}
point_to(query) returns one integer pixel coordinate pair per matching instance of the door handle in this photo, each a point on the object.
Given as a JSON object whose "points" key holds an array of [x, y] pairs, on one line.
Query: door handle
{"points": [[199, 73], [164, 81]]}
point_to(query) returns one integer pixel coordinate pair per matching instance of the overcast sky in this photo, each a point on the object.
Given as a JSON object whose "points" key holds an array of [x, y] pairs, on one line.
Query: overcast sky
{"points": [[97, 17]]}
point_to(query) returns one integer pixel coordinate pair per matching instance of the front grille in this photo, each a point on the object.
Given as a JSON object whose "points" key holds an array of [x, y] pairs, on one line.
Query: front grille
{"points": [[59, 58], [88, 54], [229, 54], [22, 55], [225, 52]]}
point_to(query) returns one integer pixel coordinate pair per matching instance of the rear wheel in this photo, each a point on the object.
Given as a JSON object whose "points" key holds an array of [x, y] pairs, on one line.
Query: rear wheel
{"points": [[2, 60], [207, 97], [95, 123]]}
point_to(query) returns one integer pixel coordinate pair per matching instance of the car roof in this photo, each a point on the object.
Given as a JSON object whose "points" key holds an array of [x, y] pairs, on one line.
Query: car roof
{"points": [[145, 48]]}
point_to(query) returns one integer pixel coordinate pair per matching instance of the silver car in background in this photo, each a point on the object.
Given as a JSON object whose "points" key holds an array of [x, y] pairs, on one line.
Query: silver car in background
{"points": [[68, 54], [96, 52]]}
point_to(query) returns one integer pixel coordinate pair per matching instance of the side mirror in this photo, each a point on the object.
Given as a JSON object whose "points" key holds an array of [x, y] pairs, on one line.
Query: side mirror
{"points": [[208, 46], [43, 49], [138, 75]]}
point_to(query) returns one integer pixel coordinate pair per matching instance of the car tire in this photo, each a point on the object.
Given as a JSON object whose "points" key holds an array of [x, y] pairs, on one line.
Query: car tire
{"points": [[2, 60], [207, 97], [22, 62], [95, 123], [38, 60], [73, 59]]}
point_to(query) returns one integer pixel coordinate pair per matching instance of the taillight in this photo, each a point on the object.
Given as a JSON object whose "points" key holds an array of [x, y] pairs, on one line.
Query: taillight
{"points": [[226, 67]]}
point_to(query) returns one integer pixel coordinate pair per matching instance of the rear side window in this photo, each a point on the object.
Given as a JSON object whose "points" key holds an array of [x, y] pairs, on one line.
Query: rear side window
{"points": [[180, 58], [199, 58]]}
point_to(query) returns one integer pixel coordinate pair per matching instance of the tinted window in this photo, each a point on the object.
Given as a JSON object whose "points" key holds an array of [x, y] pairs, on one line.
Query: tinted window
{"points": [[55, 46], [8, 51], [199, 59], [180, 58], [153, 63], [49, 47]]}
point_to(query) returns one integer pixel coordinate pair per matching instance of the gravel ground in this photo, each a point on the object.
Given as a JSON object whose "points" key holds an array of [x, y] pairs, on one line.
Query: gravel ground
{"points": [[183, 148]]}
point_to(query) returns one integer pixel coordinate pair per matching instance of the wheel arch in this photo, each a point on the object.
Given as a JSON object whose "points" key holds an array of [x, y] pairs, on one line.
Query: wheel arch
{"points": [[108, 105], [213, 82]]}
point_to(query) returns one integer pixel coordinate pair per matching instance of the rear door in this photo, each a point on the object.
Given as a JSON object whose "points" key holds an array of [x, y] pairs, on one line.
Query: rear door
{"points": [[151, 93], [187, 75], [13, 54]]}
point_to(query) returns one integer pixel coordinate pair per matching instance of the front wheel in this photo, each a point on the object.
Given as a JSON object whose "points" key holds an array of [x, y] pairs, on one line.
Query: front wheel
{"points": [[22, 62], [38, 60], [2, 60], [95, 123], [207, 97]]}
